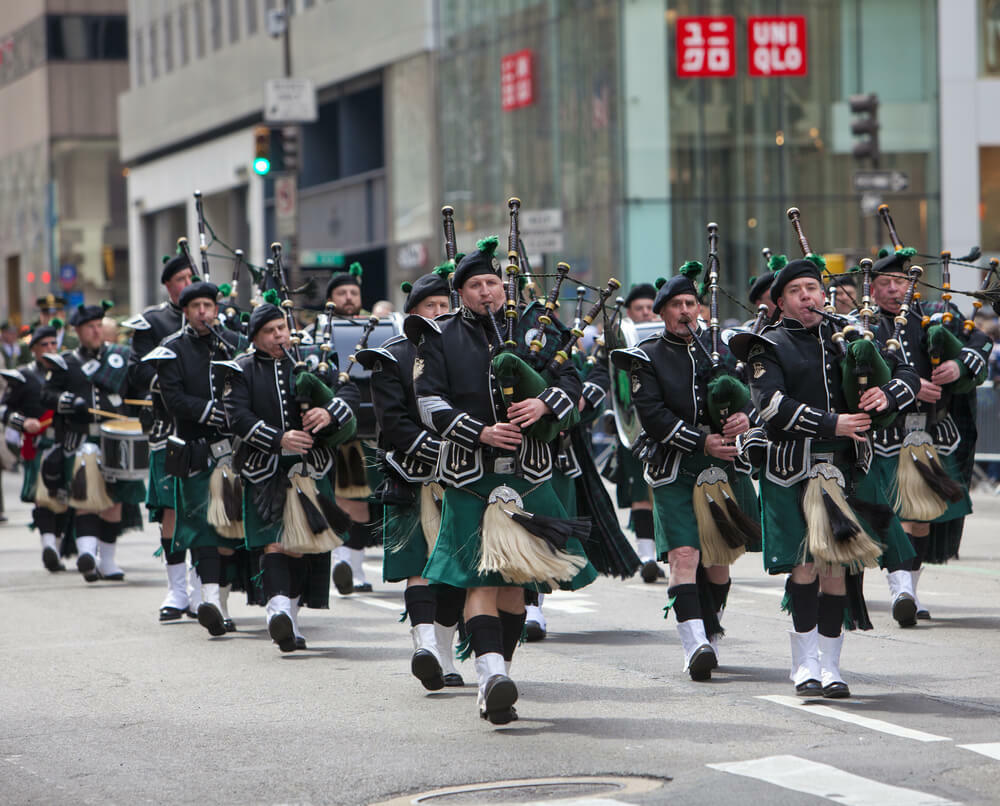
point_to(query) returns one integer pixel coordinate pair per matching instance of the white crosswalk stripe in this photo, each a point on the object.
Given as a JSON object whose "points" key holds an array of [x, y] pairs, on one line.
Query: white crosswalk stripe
{"points": [[991, 749], [822, 780], [855, 719]]}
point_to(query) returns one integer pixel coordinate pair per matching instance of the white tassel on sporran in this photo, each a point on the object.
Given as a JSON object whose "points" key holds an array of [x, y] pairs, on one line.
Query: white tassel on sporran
{"points": [[721, 538], [88, 491], [513, 552], [224, 491], [920, 480], [833, 534], [431, 499], [307, 530]]}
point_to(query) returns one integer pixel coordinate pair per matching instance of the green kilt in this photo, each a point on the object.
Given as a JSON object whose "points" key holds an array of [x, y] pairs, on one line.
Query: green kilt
{"points": [[260, 534], [873, 488], [886, 467], [674, 522], [29, 485], [403, 541], [160, 495], [630, 486], [565, 488], [192, 529], [457, 551]]}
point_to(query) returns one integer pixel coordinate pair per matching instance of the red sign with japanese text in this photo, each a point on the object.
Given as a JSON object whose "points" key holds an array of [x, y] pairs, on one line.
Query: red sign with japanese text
{"points": [[706, 47], [777, 46], [517, 80]]}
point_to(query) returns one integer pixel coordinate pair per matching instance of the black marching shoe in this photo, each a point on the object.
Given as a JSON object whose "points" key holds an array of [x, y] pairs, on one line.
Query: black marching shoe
{"points": [[702, 662], [651, 572], [171, 613], [50, 559], [425, 666], [364, 587], [923, 615], [837, 690], [281, 631], [453, 680], [229, 624], [809, 688], [300, 642], [210, 617], [87, 566], [343, 578], [904, 610], [498, 700]]}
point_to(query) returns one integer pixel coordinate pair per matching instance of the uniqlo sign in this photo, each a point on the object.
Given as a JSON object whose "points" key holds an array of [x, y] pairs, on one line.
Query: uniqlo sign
{"points": [[706, 47], [777, 46], [517, 80]]}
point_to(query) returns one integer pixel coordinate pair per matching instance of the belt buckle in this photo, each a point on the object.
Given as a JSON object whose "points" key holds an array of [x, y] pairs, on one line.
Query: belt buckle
{"points": [[822, 457], [222, 448], [915, 422], [504, 465]]}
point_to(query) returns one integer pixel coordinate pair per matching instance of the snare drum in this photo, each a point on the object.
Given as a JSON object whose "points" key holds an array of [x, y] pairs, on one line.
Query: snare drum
{"points": [[124, 451]]}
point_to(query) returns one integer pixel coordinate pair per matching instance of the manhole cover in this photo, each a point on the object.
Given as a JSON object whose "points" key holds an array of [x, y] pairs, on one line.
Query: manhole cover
{"points": [[531, 790]]}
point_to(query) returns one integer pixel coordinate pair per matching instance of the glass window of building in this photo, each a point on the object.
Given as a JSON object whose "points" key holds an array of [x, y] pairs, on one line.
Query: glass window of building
{"points": [[234, 21], [215, 23], [154, 51], [77, 37], [139, 60], [251, 16], [989, 42], [168, 44], [198, 18]]}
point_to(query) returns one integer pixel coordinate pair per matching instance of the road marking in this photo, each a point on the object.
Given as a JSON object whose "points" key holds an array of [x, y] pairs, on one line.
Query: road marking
{"points": [[854, 719], [822, 780], [397, 606], [991, 749], [769, 591]]}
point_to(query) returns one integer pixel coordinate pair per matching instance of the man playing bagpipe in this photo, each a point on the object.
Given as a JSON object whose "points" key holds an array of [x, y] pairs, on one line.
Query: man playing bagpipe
{"points": [[206, 491], [812, 454], [704, 506], [289, 423], [150, 328], [22, 409], [85, 385], [921, 454], [632, 491], [410, 493], [503, 528]]}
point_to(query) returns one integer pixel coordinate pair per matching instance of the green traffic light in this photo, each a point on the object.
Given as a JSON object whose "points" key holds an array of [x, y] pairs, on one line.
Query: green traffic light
{"points": [[262, 166]]}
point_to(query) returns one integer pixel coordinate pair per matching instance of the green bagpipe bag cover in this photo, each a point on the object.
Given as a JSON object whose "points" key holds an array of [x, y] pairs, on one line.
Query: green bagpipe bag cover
{"points": [[864, 360], [944, 345], [308, 386], [518, 382], [726, 395]]}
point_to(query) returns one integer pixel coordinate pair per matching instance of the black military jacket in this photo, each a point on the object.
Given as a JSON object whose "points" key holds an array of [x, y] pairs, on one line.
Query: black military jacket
{"points": [[260, 404], [458, 395], [795, 383], [22, 399], [191, 385], [150, 328], [409, 447]]}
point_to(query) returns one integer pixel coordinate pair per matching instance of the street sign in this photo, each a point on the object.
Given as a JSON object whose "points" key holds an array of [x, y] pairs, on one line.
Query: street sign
{"points": [[285, 204], [542, 242], [289, 100], [67, 276], [319, 257], [540, 220], [880, 181], [412, 256], [870, 202]]}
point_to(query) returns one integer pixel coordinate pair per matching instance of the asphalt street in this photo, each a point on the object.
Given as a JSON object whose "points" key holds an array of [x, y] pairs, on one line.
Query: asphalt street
{"points": [[99, 703]]}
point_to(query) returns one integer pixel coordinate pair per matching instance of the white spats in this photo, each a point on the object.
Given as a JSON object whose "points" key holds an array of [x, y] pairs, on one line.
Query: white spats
{"points": [[902, 600], [279, 622], [177, 592], [294, 613], [444, 637], [356, 557], [49, 541], [194, 590], [224, 591], [534, 621], [699, 657], [424, 637], [275, 605], [86, 544], [488, 665], [106, 561], [646, 548], [824, 781], [829, 659], [425, 663], [805, 656]]}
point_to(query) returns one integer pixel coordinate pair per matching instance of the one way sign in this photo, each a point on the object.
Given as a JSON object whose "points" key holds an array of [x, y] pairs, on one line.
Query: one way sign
{"points": [[881, 181]]}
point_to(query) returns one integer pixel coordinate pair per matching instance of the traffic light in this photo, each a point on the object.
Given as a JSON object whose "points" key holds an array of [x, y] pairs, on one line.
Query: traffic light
{"points": [[262, 150], [866, 126], [290, 149]]}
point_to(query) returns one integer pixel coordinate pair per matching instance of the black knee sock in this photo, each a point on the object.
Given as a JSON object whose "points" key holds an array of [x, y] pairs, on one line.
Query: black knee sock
{"points": [[531, 597], [450, 602], [357, 536], [920, 547], [45, 520], [485, 634], [109, 531], [642, 523], [686, 605], [227, 568], [172, 557], [277, 579], [831, 614], [512, 625], [905, 565], [420, 604], [209, 566], [720, 594], [803, 600], [88, 525]]}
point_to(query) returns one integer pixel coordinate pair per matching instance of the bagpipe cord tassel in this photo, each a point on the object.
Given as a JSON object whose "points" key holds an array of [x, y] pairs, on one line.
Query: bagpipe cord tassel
{"points": [[306, 530], [918, 491], [722, 541], [834, 536]]}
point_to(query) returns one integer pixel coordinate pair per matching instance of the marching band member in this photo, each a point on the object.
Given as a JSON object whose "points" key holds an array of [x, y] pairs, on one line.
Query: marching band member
{"points": [[496, 475], [282, 458], [411, 457], [191, 387], [692, 468], [811, 451], [150, 328], [84, 384]]}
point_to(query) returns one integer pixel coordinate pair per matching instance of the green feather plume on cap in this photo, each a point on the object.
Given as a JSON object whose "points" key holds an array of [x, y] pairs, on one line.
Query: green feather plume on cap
{"points": [[817, 260], [777, 262], [57, 323], [356, 270], [245, 316], [658, 282], [406, 286], [272, 296], [883, 252], [225, 289], [444, 269], [107, 304], [166, 259], [488, 245], [691, 269], [907, 251]]}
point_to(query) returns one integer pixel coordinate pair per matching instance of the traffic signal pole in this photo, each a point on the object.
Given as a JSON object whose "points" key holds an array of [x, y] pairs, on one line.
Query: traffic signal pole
{"points": [[287, 226]]}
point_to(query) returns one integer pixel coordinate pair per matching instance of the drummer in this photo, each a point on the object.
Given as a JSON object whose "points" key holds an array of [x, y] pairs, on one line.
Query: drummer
{"points": [[87, 387]]}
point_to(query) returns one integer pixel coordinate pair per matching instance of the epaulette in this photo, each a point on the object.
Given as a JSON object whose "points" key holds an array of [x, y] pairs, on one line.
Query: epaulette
{"points": [[137, 322], [368, 357], [160, 353], [14, 375], [56, 359], [623, 358], [233, 365], [415, 326]]}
